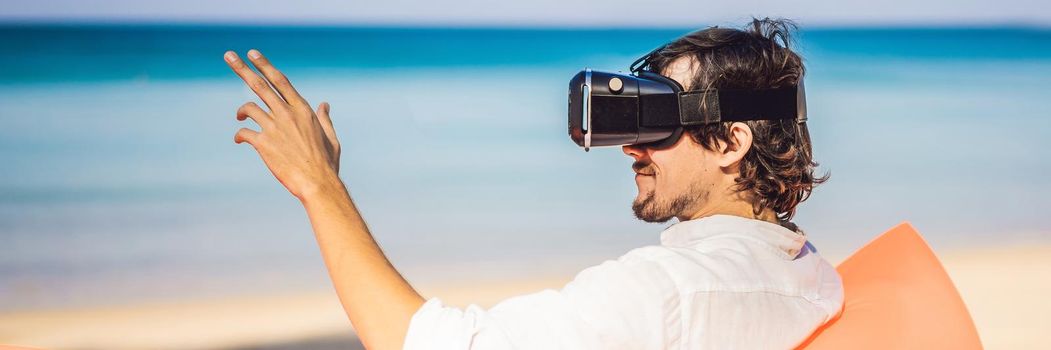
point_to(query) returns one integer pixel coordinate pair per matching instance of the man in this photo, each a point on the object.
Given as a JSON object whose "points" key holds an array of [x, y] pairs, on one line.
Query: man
{"points": [[733, 273]]}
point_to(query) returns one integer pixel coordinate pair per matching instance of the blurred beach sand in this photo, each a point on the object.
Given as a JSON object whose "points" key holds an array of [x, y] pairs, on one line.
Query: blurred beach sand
{"points": [[1005, 289], [294, 321]]}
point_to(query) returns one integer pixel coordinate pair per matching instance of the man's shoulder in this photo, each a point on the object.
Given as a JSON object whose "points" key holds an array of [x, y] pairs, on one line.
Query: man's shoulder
{"points": [[679, 269], [717, 254], [726, 264]]}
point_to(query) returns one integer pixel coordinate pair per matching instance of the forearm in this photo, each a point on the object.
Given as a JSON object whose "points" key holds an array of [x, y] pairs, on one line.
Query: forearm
{"points": [[378, 301], [301, 149]]}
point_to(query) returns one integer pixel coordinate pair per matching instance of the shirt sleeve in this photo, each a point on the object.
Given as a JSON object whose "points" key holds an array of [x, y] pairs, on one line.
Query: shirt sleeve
{"points": [[623, 304]]}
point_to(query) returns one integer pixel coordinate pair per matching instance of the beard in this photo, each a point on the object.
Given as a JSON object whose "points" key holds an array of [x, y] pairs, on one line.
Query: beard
{"points": [[649, 208]]}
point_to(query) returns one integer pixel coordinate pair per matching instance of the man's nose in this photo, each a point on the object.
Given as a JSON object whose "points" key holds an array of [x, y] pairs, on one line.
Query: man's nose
{"points": [[633, 151]]}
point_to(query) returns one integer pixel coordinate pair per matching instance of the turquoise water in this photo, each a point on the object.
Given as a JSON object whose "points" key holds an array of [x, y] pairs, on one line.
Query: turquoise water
{"points": [[121, 182]]}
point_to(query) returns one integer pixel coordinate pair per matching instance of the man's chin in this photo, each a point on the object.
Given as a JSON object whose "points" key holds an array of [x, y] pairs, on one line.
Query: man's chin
{"points": [[642, 199], [643, 208], [639, 199], [646, 208]]}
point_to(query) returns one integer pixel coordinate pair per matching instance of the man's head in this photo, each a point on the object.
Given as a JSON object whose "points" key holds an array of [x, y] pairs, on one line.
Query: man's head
{"points": [[764, 166]]}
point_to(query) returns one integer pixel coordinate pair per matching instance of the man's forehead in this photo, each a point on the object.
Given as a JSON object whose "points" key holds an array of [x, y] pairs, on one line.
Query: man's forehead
{"points": [[682, 70]]}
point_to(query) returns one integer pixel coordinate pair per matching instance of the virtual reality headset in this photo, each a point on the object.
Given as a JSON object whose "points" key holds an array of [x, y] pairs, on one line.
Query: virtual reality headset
{"points": [[613, 109]]}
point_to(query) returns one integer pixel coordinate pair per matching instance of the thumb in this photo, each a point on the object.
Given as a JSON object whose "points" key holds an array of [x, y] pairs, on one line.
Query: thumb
{"points": [[326, 121]]}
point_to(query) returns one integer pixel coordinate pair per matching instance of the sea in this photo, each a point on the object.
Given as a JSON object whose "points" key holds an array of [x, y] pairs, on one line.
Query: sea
{"points": [[120, 181]]}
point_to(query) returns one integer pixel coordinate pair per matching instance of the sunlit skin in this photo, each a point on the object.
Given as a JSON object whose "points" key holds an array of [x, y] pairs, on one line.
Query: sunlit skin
{"points": [[299, 146], [701, 180]]}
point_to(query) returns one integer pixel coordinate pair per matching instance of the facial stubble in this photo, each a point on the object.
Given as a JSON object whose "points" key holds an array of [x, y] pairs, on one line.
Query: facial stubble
{"points": [[652, 209]]}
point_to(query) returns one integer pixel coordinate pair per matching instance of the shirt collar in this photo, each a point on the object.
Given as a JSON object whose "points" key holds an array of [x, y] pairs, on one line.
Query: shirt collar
{"points": [[689, 233]]}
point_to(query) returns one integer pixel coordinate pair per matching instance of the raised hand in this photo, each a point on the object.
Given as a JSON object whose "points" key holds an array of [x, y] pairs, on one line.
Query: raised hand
{"points": [[298, 144]]}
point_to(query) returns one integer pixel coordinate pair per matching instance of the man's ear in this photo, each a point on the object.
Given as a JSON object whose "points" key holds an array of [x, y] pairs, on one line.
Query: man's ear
{"points": [[740, 143]]}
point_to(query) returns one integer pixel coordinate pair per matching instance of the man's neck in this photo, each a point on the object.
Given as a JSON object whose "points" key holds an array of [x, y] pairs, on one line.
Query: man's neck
{"points": [[735, 208]]}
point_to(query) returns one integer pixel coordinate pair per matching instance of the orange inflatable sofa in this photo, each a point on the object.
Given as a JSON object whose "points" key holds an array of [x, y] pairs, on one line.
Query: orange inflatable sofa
{"points": [[897, 296]]}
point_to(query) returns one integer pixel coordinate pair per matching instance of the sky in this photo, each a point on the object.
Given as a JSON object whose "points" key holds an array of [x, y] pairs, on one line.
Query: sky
{"points": [[553, 13]]}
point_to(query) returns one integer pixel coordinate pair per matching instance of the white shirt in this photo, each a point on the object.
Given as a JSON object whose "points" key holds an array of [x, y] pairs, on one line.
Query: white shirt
{"points": [[719, 282]]}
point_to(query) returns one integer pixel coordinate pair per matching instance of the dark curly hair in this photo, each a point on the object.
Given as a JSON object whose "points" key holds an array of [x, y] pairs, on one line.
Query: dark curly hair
{"points": [[778, 171]]}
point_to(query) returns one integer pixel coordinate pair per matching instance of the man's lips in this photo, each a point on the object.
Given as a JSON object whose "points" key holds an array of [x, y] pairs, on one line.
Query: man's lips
{"points": [[642, 170]]}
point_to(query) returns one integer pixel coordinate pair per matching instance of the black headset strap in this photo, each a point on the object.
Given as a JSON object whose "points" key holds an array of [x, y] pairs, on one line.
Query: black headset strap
{"points": [[643, 63], [722, 105]]}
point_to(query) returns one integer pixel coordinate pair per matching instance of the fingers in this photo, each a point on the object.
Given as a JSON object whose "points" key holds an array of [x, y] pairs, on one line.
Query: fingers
{"points": [[326, 122], [246, 135], [276, 78], [322, 115], [252, 110], [254, 81]]}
